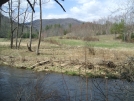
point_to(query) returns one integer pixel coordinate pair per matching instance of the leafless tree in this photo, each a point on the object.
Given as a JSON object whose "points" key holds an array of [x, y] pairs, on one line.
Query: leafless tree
{"points": [[11, 23], [31, 30], [40, 4], [37, 51], [22, 29], [17, 33]]}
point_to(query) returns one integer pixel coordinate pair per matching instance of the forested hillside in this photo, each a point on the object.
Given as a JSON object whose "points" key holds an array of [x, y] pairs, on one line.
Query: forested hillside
{"points": [[5, 28], [63, 22]]}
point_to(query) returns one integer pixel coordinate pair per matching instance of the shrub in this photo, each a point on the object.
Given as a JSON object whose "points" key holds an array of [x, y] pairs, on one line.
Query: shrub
{"points": [[72, 37], [90, 39], [72, 73], [52, 41], [26, 35], [132, 35], [90, 75], [104, 33], [119, 36], [98, 33]]}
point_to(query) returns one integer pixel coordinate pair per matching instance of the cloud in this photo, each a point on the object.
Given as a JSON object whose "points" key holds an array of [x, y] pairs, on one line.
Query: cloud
{"points": [[52, 16], [85, 10], [48, 5], [94, 9]]}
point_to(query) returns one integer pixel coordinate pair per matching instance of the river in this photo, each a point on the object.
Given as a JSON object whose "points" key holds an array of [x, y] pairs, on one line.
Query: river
{"points": [[26, 85]]}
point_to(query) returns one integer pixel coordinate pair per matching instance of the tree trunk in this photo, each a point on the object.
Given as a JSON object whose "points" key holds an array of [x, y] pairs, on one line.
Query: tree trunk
{"points": [[37, 51], [0, 19], [17, 33], [11, 24], [31, 31], [22, 28]]}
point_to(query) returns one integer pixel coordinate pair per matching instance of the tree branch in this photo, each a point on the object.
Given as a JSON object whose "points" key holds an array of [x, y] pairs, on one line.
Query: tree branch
{"points": [[60, 5], [31, 5]]}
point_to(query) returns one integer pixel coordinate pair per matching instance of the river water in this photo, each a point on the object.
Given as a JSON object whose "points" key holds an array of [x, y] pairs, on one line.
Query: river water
{"points": [[27, 85]]}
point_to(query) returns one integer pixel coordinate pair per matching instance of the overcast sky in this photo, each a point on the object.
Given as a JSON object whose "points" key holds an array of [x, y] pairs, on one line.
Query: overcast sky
{"points": [[85, 10]]}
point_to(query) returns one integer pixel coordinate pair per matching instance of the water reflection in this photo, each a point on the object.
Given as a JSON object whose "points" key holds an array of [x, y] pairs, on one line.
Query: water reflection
{"points": [[25, 85]]}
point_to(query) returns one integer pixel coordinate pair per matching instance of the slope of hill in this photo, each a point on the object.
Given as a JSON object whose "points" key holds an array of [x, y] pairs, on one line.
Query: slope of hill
{"points": [[63, 22], [5, 27]]}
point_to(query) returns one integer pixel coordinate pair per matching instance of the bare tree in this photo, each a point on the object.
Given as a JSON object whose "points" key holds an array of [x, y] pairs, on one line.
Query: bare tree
{"points": [[31, 30], [11, 23], [17, 33], [22, 29], [0, 19], [37, 51], [40, 4]]}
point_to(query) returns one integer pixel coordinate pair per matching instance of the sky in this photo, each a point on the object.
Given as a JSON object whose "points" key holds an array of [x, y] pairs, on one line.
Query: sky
{"points": [[84, 10]]}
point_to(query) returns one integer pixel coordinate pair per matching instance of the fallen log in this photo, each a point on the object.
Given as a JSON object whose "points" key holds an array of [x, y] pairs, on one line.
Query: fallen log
{"points": [[39, 64]]}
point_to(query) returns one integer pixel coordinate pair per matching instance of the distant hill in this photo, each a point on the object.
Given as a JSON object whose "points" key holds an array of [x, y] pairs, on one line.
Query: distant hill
{"points": [[4, 26], [63, 22]]}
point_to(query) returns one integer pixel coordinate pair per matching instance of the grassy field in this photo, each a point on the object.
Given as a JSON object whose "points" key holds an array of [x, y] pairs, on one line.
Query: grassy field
{"points": [[76, 57], [105, 41]]}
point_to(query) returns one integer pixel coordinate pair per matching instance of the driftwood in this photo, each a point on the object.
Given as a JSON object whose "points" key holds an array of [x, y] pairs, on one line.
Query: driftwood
{"points": [[39, 64]]}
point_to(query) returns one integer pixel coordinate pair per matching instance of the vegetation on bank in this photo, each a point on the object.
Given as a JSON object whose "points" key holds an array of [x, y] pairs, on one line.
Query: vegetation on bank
{"points": [[83, 58]]}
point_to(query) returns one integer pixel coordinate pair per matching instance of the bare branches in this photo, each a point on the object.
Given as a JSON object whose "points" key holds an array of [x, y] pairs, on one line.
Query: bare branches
{"points": [[60, 5], [3, 2], [31, 5]]}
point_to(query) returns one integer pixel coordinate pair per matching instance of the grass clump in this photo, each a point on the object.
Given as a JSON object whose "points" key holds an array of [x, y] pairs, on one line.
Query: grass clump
{"points": [[90, 75], [72, 73]]}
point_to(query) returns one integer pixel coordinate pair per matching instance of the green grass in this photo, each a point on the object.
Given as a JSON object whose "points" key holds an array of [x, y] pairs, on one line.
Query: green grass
{"points": [[90, 75], [104, 43], [72, 73], [72, 42], [112, 44]]}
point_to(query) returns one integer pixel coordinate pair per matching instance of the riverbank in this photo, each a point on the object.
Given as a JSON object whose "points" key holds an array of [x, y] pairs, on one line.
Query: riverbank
{"points": [[85, 60], [60, 87], [104, 66]]}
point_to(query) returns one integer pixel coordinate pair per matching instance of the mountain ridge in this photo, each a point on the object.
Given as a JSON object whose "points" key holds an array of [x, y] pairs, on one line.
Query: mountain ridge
{"points": [[62, 21]]}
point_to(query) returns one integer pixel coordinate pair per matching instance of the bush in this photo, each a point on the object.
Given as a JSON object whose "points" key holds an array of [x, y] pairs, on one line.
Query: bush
{"points": [[98, 33], [52, 41], [72, 73], [26, 35], [72, 37], [119, 37], [104, 33], [132, 35], [90, 39]]}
